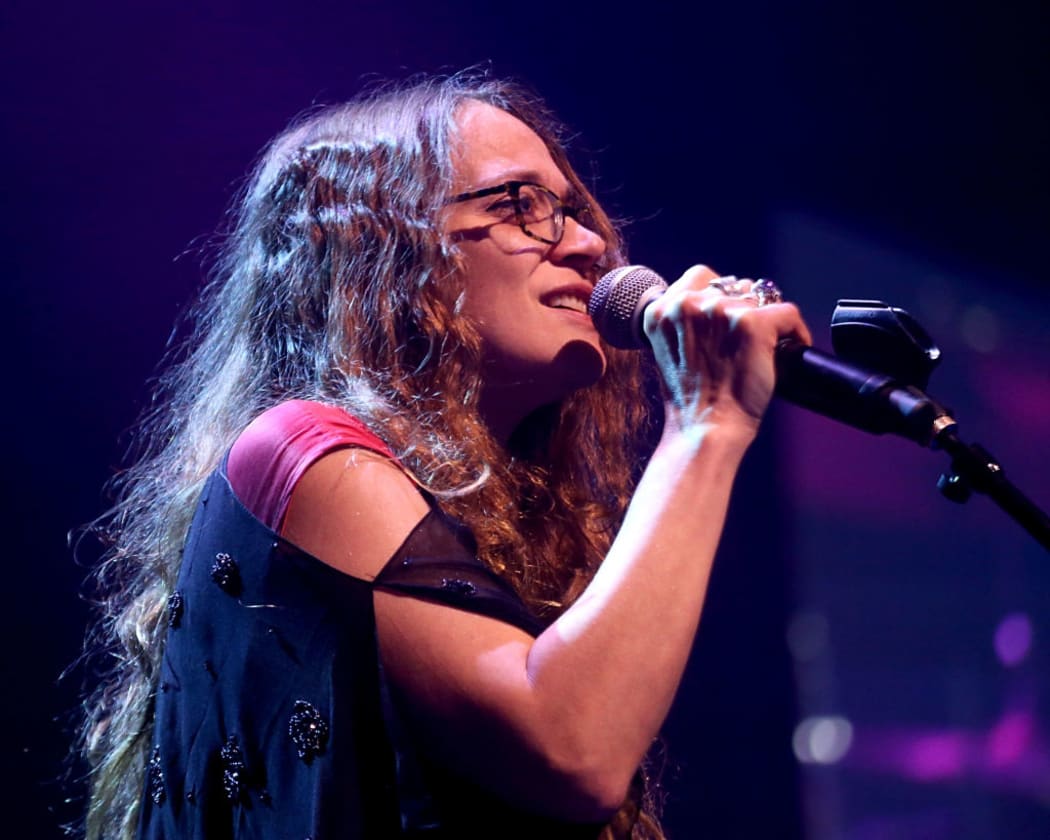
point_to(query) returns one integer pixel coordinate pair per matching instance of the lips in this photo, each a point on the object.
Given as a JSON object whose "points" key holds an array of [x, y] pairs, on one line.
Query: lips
{"points": [[574, 298], [576, 304]]}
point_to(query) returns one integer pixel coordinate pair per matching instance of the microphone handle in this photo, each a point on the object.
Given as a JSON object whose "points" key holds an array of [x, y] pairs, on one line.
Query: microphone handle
{"points": [[862, 398]]}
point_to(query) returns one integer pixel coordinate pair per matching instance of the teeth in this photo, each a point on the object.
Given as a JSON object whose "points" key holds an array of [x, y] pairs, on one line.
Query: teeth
{"points": [[577, 304]]}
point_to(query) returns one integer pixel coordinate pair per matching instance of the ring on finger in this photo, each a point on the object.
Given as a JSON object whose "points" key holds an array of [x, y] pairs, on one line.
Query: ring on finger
{"points": [[731, 286], [765, 292]]}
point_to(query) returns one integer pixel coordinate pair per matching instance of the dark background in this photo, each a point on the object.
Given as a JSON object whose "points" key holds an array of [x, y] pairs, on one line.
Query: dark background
{"points": [[913, 128]]}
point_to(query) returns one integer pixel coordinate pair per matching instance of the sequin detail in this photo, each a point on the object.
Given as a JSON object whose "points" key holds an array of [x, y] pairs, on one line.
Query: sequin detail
{"points": [[232, 769], [176, 606], [225, 573], [308, 730], [460, 587], [155, 774]]}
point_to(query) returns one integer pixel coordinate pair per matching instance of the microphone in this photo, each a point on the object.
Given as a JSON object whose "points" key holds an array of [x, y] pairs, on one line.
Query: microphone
{"points": [[807, 377]]}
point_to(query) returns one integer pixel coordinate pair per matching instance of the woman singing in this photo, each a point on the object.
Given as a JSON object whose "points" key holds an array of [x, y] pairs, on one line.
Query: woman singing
{"points": [[380, 570]]}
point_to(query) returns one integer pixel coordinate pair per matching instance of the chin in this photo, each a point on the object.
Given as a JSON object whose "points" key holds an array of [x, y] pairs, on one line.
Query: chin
{"points": [[581, 364]]}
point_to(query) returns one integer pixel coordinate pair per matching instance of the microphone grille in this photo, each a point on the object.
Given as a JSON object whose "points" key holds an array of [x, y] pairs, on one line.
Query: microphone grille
{"points": [[617, 302]]}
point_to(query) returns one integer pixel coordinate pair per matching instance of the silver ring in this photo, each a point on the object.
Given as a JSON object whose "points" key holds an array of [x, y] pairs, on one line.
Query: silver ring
{"points": [[731, 286], [766, 291]]}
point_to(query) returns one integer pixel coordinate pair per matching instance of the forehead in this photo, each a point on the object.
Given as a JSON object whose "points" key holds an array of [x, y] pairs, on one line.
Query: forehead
{"points": [[492, 146]]}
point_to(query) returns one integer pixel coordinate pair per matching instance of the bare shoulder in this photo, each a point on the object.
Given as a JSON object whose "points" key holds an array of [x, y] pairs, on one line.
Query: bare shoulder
{"points": [[352, 509]]}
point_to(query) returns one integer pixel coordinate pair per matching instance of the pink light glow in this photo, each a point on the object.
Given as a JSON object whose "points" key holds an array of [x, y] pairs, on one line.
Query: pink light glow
{"points": [[1009, 739], [1010, 755], [941, 756]]}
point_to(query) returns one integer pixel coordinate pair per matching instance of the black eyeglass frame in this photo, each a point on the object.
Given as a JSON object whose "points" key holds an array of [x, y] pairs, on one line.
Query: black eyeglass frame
{"points": [[513, 189]]}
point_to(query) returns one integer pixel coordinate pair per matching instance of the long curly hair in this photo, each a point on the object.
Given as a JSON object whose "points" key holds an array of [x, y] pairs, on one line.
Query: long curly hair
{"points": [[335, 284]]}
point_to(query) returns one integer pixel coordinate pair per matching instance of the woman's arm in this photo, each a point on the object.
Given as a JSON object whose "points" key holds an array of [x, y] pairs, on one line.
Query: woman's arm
{"points": [[559, 724]]}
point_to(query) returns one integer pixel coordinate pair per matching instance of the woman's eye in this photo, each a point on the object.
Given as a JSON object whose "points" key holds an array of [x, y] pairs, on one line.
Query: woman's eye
{"points": [[536, 206]]}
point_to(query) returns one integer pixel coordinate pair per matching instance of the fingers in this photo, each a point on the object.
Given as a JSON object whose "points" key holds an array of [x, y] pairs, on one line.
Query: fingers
{"points": [[714, 340], [732, 293], [715, 336], [697, 277], [788, 322], [735, 298], [702, 295]]}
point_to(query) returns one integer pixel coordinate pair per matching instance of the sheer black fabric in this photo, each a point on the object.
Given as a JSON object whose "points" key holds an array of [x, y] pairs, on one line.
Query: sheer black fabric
{"points": [[272, 717]]}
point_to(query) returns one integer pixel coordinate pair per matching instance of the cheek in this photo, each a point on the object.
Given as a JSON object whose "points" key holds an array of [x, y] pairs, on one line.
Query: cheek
{"points": [[490, 284], [482, 309], [498, 320], [503, 335]]}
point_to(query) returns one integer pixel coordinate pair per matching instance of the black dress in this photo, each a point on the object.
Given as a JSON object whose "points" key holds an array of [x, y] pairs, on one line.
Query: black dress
{"points": [[273, 718]]}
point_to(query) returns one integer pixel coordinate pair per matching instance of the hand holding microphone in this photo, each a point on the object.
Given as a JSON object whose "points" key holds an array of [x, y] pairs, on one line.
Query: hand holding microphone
{"points": [[768, 340], [712, 337]]}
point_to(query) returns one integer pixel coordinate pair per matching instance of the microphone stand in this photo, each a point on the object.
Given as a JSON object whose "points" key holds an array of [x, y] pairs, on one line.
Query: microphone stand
{"points": [[885, 395], [973, 468]]}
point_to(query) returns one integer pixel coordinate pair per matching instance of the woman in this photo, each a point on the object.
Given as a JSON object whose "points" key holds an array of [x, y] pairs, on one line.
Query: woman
{"points": [[414, 596]]}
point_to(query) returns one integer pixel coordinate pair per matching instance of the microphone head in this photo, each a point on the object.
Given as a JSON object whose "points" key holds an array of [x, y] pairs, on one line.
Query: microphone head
{"points": [[618, 301]]}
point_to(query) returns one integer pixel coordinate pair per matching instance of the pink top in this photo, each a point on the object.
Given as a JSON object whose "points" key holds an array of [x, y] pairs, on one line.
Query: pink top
{"points": [[278, 446]]}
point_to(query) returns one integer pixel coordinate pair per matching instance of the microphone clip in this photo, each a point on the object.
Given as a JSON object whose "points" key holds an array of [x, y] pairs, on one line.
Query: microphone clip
{"points": [[885, 338]]}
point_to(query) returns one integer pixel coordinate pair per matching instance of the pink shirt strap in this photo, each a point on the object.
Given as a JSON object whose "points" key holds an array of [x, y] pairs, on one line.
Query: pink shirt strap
{"points": [[279, 445]]}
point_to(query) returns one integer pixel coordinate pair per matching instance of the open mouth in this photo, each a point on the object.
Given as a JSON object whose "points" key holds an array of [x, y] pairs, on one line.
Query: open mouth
{"points": [[568, 300]]}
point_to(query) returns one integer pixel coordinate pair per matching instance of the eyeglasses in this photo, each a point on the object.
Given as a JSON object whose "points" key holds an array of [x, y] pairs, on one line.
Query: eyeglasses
{"points": [[538, 212]]}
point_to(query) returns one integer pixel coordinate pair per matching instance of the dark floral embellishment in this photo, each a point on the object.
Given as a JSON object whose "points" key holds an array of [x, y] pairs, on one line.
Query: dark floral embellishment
{"points": [[308, 730], [458, 586], [176, 606], [155, 775], [225, 573], [232, 769]]}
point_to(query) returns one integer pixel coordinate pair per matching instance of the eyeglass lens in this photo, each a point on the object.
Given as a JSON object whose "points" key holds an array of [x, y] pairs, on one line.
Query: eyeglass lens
{"points": [[540, 212]]}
